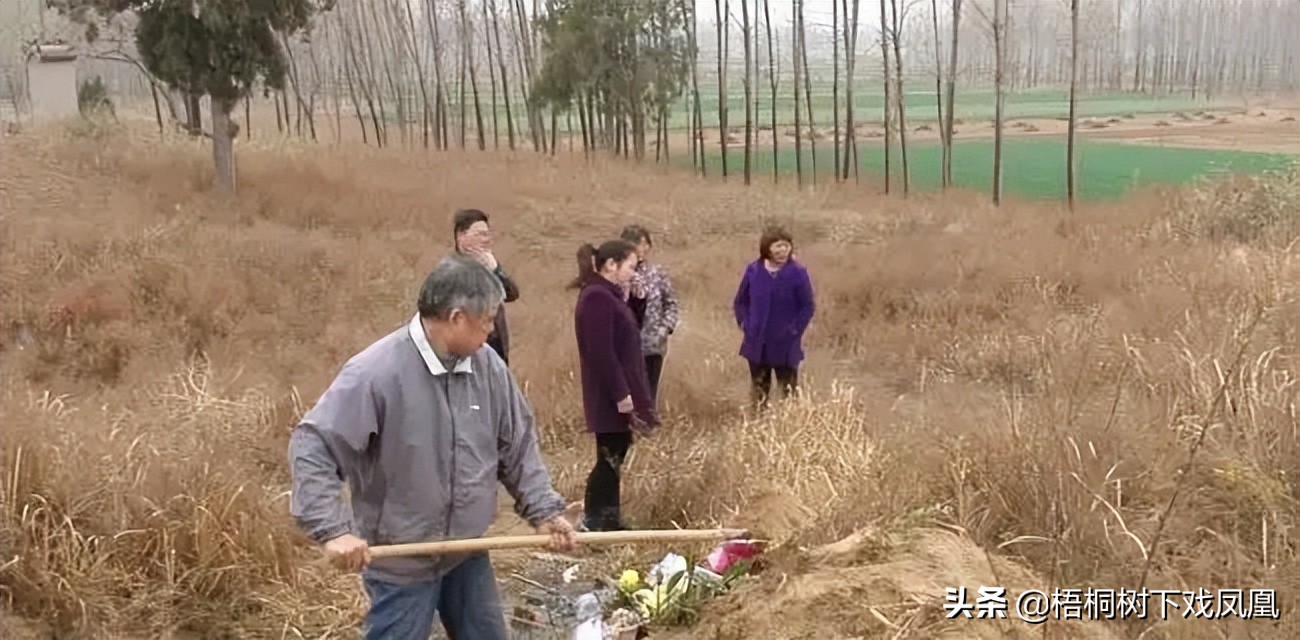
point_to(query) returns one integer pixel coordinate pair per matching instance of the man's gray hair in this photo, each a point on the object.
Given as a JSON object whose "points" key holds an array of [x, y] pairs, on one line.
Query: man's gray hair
{"points": [[459, 282]]}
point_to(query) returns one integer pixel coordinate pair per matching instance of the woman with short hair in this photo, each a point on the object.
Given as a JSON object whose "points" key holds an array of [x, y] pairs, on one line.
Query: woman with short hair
{"points": [[773, 307]]}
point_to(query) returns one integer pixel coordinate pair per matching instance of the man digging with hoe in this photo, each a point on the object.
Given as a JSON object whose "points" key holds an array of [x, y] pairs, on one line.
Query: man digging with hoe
{"points": [[421, 425]]}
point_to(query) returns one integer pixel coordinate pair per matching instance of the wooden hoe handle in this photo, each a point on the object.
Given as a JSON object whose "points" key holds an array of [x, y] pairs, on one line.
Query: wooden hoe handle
{"points": [[541, 540]]}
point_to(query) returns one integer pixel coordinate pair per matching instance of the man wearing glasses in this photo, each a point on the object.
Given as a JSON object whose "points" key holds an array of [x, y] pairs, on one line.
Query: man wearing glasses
{"points": [[473, 238]]}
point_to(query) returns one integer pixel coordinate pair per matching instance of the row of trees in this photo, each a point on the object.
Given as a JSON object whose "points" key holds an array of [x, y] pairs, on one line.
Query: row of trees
{"points": [[623, 75], [1208, 48]]}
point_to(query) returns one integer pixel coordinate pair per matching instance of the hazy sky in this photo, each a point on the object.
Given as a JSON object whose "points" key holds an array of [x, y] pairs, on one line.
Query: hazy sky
{"points": [[813, 11]]}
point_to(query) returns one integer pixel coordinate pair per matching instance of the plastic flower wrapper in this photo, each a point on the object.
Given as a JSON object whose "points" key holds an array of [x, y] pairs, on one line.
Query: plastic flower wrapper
{"points": [[670, 565], [730, 553]]}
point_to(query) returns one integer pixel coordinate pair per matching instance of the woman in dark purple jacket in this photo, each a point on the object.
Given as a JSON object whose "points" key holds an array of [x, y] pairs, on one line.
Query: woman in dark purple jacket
{"points": [[773, 307], [615, 390]]}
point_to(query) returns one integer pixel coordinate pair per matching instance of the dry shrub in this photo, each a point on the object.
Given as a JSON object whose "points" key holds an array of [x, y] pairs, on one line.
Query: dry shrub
{"points": [[781, 474], [1096, 399], [1262, 209], [140, 517]]}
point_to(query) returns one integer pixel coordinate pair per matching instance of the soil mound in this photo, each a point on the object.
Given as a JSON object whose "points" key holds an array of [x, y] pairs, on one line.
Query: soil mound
{"points": [[869, 585]]}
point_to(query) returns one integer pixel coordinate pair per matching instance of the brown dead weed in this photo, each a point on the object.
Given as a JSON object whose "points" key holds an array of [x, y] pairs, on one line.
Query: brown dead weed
{"points": [[1103, 399]]}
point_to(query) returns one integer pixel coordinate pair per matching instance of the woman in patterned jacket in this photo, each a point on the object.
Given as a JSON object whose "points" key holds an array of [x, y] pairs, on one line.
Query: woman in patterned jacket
{"points": [[654, 301]]}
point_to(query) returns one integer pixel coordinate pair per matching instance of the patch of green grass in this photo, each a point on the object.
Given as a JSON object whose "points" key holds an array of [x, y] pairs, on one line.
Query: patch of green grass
{"points": [[974, 104], [1031, 168]]}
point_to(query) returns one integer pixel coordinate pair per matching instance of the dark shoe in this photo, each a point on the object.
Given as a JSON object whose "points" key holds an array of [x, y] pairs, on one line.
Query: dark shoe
{"points": [[611, 520]]}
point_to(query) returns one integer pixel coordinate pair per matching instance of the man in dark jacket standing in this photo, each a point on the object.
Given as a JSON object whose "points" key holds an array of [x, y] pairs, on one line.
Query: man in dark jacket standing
{"points": [[473, 238]]}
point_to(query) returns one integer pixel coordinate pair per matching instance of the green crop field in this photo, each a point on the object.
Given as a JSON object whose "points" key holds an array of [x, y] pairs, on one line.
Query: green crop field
{"points": [[868, 104], [1031, 169]]}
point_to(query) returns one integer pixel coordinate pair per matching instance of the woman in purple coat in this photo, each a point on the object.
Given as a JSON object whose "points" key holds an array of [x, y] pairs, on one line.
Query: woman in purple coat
{"points": [[773, 307], [615, 391]]}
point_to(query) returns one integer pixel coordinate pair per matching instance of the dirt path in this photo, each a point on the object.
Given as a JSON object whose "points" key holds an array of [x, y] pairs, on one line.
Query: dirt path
{"points": [[1262, 129]]}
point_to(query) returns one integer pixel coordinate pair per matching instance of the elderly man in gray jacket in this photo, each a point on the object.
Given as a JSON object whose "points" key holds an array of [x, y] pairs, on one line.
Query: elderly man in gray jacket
{"points": [[421, 425]]}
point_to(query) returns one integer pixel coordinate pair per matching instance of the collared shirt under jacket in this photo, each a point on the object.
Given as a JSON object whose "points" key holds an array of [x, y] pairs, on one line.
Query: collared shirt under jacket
{"points": [[421, 450]]}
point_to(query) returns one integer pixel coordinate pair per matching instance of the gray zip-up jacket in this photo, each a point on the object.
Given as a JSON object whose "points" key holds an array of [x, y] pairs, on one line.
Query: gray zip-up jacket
{"points": [[421, 450]]}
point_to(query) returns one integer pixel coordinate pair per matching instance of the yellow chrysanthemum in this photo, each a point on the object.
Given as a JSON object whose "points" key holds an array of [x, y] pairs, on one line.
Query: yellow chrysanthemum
{"points": [[629, 580]]}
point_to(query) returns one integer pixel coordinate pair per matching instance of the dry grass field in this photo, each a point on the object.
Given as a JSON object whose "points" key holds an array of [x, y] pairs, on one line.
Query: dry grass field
{"points": [[1006, 396]]}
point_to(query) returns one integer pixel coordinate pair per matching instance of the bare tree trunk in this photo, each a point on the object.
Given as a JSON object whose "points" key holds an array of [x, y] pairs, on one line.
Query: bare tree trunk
{"points": [[807, 87], [554, 130], [439, 100], [425, 114], [505, 77], [296, 84], [352, 91], [835, 84], [380, 32], [478, 105], [884, 55], [771, 79], [284, 100], [663, 128], [587, 143], [749, 90], [248, 117], [525, 58], [850, 64], [1116, 82], [1074, 87], [797, 10], [696, 118], [194, 114], [722, 11], [687, 9], [1198, 71], [374, 90], [1138, 72], [316, 82], [952, 94], [350, 43], [999, 45], [464, 72], [366, 90], [624, 134], [157, 108], [492, 76], [223, 144], [898, 79], [938, 89]]}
